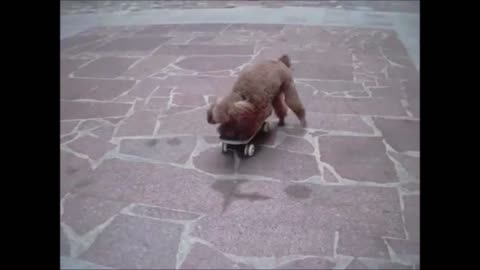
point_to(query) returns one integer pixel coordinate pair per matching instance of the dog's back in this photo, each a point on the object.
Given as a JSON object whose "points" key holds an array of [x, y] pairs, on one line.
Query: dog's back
{"points": [[258, 88], [285, 59], [266, 76]]}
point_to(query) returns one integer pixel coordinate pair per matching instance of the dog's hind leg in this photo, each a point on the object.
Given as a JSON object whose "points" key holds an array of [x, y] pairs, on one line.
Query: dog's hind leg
{"points": [[280, 108], [293, 101]]}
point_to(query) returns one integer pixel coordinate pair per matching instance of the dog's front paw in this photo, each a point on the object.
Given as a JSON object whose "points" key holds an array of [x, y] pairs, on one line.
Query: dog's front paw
{"points": [[303, 123]]}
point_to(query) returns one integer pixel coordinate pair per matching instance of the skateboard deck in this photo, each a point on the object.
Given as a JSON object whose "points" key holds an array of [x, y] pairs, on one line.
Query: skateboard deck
{"points": [[240, 142], [249, 147]]}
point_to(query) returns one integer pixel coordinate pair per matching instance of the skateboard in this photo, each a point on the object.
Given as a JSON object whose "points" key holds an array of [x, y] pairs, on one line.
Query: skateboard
{"points": [[248, 146]]}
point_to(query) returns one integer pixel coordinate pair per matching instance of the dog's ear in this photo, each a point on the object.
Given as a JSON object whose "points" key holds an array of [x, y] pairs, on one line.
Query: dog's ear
{"points": [[210, 114], [241, 108], [215, 114], [220, 112]]}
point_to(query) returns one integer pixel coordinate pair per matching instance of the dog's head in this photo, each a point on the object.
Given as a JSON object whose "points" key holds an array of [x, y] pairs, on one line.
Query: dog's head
{"points": [[222, 111], [240, 127], [236, 119]]}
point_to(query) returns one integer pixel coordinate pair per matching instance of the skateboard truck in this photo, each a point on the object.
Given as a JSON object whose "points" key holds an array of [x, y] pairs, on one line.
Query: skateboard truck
{"points": [[248, 146]]}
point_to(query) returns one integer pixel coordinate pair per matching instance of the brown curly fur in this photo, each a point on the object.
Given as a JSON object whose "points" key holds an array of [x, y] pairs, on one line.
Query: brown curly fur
{"points": [[258, 88]]}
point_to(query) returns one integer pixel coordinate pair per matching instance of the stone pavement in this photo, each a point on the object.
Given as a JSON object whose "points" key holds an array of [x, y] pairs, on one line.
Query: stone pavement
{"points": [[144, 183], [83, 7]]}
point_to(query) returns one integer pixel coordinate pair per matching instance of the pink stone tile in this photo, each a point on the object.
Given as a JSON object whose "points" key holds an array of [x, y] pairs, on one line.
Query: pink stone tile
{"points": [[145, 87], [358, 245], [270, 162], [72, 89], [201, 39], [412, 216], [123, 44], [253, 221], [255, 209], [84, 110], [333, 105], [157, 104], [162, 92], [205, 27], [332, 86], [308, 263], [323, 71], [84, 213], [205, 63], [64, 244], [68, 66], [67, 126], [67, 138], [156, 30], [215, 162], [203, 257], [127, 243], [256, 27], [77, 40], [93, 147], [106, 67], [205, 50], [163, 213], [88, 125], [402, 135], [411, 164], [104, 132], [154, 184], [406, 250], [192, 122], [150, 65], [174, 109], [73, 171], [296, 145], [347, 123], [174, 150], [200, 85], [140, 123], [358, 158], [189, 100]]}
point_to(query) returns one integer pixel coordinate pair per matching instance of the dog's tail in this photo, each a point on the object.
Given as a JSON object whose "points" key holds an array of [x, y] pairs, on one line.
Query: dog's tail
{"points": [[285, 59]]}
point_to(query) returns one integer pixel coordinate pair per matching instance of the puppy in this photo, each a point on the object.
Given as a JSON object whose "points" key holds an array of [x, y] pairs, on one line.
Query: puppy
{"points": [[258, 88]]}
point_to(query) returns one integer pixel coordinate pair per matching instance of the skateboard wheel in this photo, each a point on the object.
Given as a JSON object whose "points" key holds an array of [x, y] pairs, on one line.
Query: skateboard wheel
{"points": [[266, 127], [249, 150], [224, 147]]}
